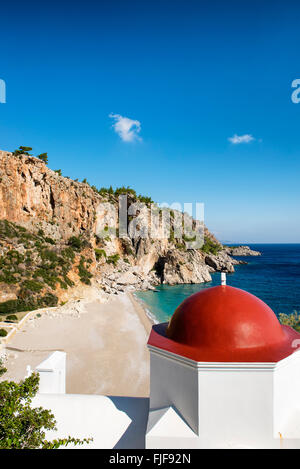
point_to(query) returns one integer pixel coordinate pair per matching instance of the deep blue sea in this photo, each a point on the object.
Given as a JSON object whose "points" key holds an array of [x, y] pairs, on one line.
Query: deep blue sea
{"points": [[274, 277]]}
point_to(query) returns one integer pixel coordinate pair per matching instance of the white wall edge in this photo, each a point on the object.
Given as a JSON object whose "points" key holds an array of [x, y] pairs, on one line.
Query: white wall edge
{"points": [[213, 366]]}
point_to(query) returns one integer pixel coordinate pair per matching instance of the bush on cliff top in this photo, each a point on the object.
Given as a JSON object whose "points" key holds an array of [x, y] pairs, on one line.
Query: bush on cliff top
{"points": [[22, 151], [43, 157], [210, 247], [25, 151]]}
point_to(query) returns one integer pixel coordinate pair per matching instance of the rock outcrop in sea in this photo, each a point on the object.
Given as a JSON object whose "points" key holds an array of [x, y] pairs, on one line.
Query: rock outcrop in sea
{"points": [[50, 243], [241, 251]]}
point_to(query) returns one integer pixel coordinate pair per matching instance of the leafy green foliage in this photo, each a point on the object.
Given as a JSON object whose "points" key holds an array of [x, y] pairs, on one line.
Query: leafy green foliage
{"points": [[84, 274], [11, 317], [188, 239], [172, 236], [123, 190], [43, 157], [3, 333], [144, 199], [48, 273], [68, 253], [75, 242], [106, 191], [29, 303], [24, 427], [50, 240], [113, 259], [2, 369], [292, 320], [32, 285], [99, 253], [210, 247], [58, 171], [25, 151], [22, 151]]}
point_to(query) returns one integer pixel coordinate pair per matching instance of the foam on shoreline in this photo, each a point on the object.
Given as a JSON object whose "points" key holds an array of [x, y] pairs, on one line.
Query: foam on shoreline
{"points": [[147, 311]]}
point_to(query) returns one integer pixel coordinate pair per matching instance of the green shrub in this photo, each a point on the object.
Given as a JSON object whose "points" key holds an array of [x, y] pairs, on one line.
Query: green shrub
{"points": [[125, 190], [49, 276], [50, 240], [106, 191], [14, 257], [292, 320], [144, 199], [23, 426], [75, 242], [172, 236], [32, 285], [68, 253], [83, 273], [48, 255], [63, 284], [99, 253], [210, 247], [188, 239], [43, 157], [68, 281], [28, 304], [11, 317], [3, 333], [47, 300], [22, 151], [113, 259], [7, 277]]}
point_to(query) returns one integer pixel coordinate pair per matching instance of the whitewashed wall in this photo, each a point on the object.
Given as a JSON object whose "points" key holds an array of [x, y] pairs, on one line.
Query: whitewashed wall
{"points": [[52, 373], [226, 405]]}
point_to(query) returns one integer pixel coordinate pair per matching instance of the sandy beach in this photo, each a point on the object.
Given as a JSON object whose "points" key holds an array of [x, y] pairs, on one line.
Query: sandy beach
{"points": [[105, 345]]}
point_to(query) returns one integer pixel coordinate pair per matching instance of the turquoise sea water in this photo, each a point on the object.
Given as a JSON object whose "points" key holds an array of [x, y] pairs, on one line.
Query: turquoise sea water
{"points": [[274, 277]]}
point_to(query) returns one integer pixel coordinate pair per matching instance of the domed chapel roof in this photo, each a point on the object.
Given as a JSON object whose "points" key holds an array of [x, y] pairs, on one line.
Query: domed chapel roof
{"points": [[225, 324]]}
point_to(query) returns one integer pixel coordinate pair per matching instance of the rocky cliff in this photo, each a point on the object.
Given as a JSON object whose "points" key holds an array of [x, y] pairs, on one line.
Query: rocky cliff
{"points": [[49, 240]]}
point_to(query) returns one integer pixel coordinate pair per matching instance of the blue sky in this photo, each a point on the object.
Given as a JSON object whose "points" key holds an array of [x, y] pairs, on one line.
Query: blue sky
{"points": [[192, 74]]}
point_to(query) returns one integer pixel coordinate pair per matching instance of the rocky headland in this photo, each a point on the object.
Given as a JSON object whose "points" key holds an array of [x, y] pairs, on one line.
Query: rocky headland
{"points": [[50, 243], [241, 251]]}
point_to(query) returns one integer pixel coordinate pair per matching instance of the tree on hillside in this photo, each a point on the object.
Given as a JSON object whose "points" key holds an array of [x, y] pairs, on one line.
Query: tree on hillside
{"points": [[23, 427], [25, 151], [43, 157], [22, 151]]}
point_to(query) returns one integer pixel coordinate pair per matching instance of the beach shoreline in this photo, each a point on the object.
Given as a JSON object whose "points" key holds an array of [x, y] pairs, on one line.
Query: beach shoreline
{"points": [[105, 342]]}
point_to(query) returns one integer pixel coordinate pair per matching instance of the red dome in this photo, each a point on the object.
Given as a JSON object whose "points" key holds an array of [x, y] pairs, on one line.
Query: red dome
{"points": [[225, 324]]}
